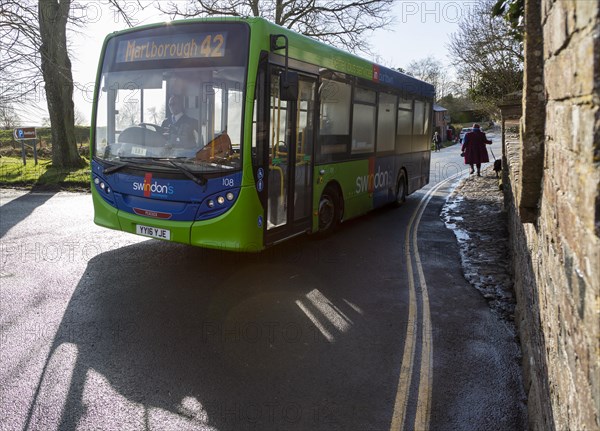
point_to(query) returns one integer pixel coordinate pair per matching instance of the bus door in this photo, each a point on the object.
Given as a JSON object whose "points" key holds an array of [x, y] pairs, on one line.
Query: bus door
{"points": [[290, 159]]}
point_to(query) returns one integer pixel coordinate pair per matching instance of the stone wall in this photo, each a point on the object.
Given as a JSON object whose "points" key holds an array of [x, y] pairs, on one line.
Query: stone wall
{"points": [[554, 217]]}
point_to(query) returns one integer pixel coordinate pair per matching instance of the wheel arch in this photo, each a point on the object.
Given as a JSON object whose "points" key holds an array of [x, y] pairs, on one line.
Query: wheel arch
{"points": [[340, 194], [402, 173]]}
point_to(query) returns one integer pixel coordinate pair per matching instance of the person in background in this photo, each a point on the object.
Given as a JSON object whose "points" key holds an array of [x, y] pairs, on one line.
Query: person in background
{"points": [[437, 140], [474, 149]]}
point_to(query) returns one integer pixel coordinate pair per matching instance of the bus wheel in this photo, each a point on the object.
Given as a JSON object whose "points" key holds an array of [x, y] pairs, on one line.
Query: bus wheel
{"points": [[328, 210], [400, 189]]}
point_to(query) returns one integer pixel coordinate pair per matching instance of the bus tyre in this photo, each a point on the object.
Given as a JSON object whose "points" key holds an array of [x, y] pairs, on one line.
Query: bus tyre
{"points": [[400, 189], [329, 211]]}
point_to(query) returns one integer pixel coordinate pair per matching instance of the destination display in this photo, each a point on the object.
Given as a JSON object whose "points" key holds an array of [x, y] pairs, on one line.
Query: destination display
{"points": [[172, 47]]}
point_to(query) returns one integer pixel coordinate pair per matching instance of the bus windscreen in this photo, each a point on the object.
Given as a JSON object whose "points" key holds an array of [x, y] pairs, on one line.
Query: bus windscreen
{"points": [[174, 92]]}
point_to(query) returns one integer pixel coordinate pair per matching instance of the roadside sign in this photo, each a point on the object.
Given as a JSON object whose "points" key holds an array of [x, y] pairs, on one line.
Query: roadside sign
{"points": [[25, 133]]}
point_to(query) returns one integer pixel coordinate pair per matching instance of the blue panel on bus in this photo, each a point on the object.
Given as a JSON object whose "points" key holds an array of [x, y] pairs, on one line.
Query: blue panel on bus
{"points": [[167, 198], [156, 208], [384, 181]]}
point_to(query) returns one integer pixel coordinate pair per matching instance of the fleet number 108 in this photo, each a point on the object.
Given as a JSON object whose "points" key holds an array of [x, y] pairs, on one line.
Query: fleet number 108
{"points": [[228, 182]]}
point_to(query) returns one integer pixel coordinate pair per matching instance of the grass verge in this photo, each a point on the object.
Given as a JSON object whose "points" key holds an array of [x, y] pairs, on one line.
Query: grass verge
{"points": [[42, 176]]}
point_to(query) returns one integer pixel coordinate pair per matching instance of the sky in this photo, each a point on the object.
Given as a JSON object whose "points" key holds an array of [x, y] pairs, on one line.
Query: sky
{"points": [[420, 29]]}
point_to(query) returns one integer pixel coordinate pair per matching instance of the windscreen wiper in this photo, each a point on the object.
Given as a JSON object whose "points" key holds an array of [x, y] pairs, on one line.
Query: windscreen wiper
{"points": [[123, 163], [115, 168], [197, 178]]}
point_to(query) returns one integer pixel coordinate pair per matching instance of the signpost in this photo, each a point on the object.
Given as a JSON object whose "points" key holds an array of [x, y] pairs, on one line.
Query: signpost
{"points": [[24, 134]]}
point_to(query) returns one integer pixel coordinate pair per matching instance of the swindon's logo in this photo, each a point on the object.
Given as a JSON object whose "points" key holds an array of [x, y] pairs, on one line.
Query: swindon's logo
{"points": [[374, 180], [153, 189]]}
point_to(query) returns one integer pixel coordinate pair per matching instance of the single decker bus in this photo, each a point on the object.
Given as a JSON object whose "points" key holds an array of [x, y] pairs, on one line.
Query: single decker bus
{"points": [[238, 134]]}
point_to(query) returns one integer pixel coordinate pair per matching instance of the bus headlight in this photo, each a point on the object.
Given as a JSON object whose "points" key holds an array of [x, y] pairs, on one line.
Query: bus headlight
{"points": [[217, 203]]}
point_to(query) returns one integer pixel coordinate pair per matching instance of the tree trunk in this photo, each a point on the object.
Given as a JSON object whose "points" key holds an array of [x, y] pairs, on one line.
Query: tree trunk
{"points": [[56, 69]]}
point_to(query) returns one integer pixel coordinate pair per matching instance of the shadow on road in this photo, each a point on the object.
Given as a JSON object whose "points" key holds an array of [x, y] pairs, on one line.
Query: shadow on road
{"points": [[169, 336], [20, 208]]}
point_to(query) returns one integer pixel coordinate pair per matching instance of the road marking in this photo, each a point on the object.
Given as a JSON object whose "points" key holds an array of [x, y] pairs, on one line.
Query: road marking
{"points": [[399, 416], [426, 372], [423, 412]]}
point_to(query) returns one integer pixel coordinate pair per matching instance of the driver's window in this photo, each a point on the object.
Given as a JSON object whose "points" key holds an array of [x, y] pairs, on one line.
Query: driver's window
{"points": [[218, 117], [129, 104], [213, 110], [128, 107], [234, 111]]}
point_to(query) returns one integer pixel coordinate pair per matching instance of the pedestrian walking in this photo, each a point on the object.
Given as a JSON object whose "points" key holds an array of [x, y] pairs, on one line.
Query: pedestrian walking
{"points": [[474, 149], [437, 140]]}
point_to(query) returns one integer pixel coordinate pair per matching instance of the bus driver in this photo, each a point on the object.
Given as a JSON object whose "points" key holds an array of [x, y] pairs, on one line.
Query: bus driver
{"points": [[181, 130]]}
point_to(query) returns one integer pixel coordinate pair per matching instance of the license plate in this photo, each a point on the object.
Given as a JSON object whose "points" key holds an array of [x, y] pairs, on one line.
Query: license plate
{"points": [[154, 232]]}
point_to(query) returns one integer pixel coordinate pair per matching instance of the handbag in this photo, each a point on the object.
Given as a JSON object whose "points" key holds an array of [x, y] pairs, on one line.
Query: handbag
{"points": [[462, 153]]}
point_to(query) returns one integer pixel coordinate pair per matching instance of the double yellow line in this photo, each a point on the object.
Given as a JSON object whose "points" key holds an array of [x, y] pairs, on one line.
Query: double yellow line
{"points": [[423, 409]]}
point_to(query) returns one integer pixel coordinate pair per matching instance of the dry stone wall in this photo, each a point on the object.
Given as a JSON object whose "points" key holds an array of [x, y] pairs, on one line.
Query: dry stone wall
{"points": [[556, 240]]}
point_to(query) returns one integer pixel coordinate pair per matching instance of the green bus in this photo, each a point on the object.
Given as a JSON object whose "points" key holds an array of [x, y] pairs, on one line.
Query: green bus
{"points": [[238, 134]]}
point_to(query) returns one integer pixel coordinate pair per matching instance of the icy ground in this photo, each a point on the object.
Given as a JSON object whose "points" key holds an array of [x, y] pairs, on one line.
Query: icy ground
{"points": [[475, 212]]}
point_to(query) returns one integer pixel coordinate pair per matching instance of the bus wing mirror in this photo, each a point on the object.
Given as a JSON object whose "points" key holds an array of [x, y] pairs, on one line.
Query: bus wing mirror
{"points": [[288, 86], [288, 81]]}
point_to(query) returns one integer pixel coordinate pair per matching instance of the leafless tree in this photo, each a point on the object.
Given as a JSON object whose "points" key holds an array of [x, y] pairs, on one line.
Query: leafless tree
{"points": [[490, 59], [58, 81], [431, 70], [20, 73], [129, 114], [336, 22], [35, 60], [9, 119], [156, 115], [79, 117]]}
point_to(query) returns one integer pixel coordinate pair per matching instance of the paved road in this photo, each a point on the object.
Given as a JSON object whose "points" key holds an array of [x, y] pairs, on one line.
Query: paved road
{"points": [[365, 330]]}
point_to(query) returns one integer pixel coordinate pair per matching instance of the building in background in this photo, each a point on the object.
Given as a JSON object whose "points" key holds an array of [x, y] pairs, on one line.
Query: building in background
{"points": [[440, 120]]}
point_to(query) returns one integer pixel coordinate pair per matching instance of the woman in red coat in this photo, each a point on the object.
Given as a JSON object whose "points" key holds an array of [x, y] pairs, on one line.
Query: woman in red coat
{"points": [[474, 149]]}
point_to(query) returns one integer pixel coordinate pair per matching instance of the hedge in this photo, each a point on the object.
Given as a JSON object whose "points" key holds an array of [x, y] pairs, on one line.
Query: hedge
{"points": [[82, 135]]}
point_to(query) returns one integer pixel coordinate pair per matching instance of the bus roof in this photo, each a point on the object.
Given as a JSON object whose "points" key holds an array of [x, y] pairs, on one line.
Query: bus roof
{"points": [[312, 51]]}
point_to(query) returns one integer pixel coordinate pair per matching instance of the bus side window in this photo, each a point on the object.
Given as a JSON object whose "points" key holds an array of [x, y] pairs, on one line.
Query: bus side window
{"points": [[363, 121], [334, 117], [405, 126], [386, 122], [420, 141]]}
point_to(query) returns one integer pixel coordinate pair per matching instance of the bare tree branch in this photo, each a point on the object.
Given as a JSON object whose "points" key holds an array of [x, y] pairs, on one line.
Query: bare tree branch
{"points": [[20, 68], [336, 22], [20, 72], [123, 12], [490, 59], [8, 116], [431, 70]]}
